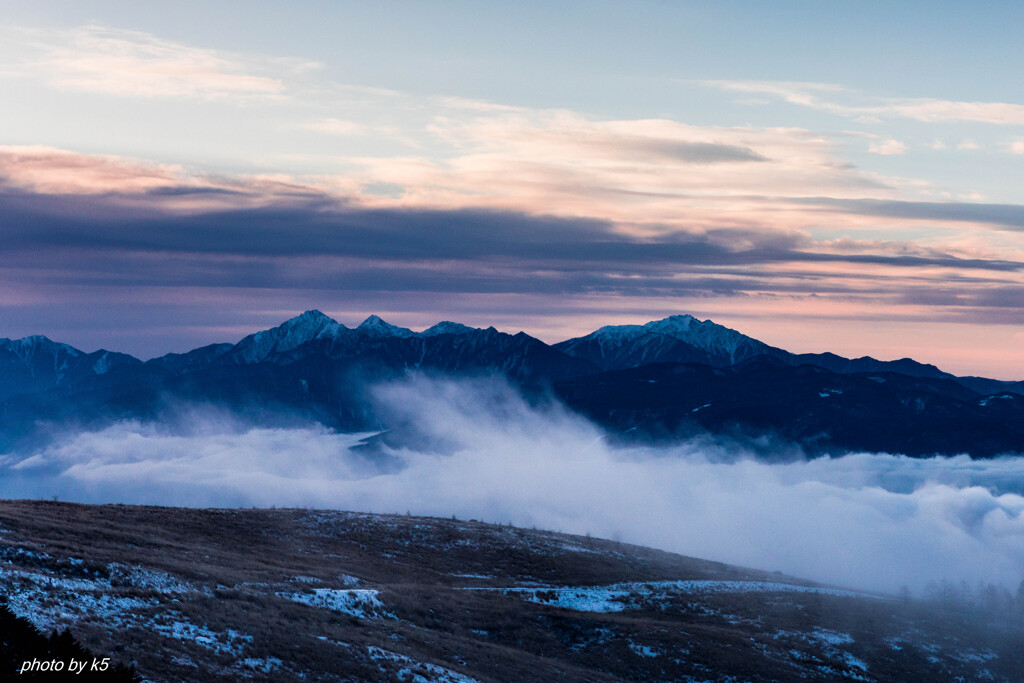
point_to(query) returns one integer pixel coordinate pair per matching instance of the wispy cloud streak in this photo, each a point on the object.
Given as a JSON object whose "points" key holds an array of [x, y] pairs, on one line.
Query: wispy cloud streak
{"points": [[126, 63], [824, 97]]}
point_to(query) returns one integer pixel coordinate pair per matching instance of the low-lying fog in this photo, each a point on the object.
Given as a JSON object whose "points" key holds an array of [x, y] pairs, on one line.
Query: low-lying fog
{"points": [[874, 521]]}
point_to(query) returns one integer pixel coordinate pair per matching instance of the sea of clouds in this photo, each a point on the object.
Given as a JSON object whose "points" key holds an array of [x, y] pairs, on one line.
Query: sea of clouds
{"points": [[873, 521]]}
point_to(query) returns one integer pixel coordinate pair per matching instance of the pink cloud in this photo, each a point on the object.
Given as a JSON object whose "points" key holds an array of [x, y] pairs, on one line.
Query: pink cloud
{"points": [[127, 63], [823, 96], [790, 259], [888, 147]]}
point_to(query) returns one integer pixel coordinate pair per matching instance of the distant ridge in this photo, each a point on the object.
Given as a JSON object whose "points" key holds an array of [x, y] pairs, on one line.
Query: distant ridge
{"points": [[36, 363], [665, 379], [674, 339], [685, 339]]}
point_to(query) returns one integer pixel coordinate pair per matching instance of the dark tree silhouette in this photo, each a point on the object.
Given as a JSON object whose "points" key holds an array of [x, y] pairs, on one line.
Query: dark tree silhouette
{"points": [[21, 642]]}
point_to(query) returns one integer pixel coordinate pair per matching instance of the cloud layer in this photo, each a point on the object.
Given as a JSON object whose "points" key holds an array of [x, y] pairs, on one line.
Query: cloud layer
{"points": [[125, 63], [125, 235], [873, 520], [826, 97]]}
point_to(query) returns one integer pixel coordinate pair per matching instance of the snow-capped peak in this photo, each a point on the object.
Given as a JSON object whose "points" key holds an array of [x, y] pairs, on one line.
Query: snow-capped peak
{"points": [[677, 325], [703, 334], [288, 335], [446, 327], [27, 347], [617, 333], [706, 335], [312, 315], [376, 326], [310, 325]]}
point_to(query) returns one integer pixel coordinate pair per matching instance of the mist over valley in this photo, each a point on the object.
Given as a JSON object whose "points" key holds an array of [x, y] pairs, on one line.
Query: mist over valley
{"points": [[748, 456]]}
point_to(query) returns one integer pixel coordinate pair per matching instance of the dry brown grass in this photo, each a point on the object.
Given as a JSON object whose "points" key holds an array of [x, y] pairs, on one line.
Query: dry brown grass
{"points": [[235, 563]]}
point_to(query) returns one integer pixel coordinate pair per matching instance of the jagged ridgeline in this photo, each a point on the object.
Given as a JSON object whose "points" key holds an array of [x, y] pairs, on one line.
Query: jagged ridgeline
{"points": [[665, 380]]}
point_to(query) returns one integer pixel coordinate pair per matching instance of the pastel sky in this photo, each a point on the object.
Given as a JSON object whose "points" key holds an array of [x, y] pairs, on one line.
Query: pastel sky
{"points": [[821, 176]]}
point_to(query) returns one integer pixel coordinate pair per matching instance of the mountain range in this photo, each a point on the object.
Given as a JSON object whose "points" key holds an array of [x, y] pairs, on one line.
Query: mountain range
{"points": [[664, 380]]}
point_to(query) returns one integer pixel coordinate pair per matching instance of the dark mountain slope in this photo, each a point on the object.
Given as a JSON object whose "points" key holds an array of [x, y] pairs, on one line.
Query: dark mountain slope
{"points": [[35, 364], [823, 411]]}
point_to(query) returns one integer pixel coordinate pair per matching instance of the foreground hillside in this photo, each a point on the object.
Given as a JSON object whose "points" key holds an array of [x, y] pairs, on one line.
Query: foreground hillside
{"points": [[283, 595]]}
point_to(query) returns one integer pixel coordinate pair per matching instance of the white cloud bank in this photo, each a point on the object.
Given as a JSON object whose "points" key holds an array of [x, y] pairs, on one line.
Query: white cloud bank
{"points": [[870, 521]]}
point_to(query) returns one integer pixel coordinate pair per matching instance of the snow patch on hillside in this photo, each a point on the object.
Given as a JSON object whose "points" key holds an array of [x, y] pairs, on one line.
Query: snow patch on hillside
{"points": [[229, 642], [624, 596], [362, 603], [414, 671]]}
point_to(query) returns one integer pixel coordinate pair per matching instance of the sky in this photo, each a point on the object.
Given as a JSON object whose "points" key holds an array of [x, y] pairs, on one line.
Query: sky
{"points": [[820, 176]]}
